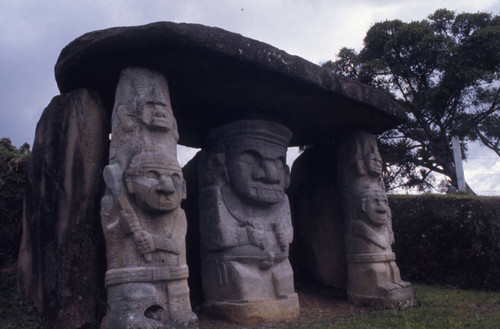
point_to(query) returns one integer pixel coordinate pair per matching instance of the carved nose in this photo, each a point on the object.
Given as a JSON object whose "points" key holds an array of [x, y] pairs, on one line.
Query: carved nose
{"points": [[271, 173], [166, 185], [380, 206]]}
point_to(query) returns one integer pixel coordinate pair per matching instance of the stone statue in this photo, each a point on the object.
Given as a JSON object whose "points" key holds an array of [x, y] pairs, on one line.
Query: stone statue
{"points": [[372, 274], [142, 115], [245, 223], [143, 224]]}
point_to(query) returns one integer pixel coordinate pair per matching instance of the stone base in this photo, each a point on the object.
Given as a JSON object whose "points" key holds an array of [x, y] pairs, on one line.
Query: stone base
{"points": [[401, 297], [255, 311]]}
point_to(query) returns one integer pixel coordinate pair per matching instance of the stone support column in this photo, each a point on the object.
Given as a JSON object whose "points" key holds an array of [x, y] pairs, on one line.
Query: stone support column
{"points": [[245, 223], [60, 261], [372, 273], [143, 223], [318, 249]]}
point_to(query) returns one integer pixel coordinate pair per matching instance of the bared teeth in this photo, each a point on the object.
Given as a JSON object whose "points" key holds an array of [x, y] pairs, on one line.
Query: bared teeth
{"points": [[267, 193], [160, 114]]}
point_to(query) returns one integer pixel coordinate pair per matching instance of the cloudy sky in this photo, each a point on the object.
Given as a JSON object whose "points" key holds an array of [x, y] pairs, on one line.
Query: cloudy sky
{"points": [[33, 32]]}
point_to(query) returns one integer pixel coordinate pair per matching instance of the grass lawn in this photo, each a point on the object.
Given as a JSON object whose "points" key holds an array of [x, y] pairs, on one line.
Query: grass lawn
{"points": [[440, 307]]}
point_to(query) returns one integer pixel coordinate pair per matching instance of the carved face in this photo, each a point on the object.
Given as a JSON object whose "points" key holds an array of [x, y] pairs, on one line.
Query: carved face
{"points": [[373, 160], [377, 208], [157, 190], [258, 174], [155, 113]]}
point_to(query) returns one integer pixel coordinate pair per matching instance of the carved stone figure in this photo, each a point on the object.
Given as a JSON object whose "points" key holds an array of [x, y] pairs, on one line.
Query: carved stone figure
{"points": [[372, 274], [245, 223], [142, 115], [144, 226]]}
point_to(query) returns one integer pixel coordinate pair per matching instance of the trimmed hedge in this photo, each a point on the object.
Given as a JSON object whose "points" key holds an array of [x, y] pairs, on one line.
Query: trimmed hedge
{"points": [[448, 240]]}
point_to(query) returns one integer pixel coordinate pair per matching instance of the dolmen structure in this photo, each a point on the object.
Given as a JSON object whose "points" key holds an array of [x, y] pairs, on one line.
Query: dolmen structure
{"points": [[117, 235]]}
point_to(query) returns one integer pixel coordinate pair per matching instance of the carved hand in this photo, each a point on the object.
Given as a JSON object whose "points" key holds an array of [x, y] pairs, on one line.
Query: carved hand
{"points": [[145, 244], [281, 236], [113, 177], [256, 237], [267, 263]]}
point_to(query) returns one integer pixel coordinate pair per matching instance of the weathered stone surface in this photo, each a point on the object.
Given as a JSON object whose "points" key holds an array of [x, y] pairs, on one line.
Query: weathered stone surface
{"points": [[245, 223], [318, 250], [142, 116], [340, 211], [217, 77], [372, 274], [61, 260], [144, 226], [191, 207]]}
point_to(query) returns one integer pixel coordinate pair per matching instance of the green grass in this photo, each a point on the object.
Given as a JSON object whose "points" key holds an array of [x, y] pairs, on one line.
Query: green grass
{"points": [[439, 308]]}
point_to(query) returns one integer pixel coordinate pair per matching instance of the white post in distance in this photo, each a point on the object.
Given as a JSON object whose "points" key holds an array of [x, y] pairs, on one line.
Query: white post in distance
{"points": [[457, 157]]}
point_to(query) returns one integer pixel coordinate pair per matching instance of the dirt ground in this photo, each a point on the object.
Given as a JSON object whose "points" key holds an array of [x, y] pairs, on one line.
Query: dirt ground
{"points": [[315, 303]]}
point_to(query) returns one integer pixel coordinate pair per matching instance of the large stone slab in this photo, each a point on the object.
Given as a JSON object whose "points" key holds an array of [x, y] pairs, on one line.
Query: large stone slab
{"points": [[216, 77], [61, 260]]}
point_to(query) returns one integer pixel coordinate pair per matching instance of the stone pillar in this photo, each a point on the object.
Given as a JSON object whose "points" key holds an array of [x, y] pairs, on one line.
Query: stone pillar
{"points": [[245, 223], [372, 274], [144, 226], [318, 248], [61, 261]]}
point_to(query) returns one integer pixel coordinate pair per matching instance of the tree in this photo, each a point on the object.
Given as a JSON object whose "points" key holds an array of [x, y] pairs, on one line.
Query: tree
{"points": [[446, 70], [13, 164]]}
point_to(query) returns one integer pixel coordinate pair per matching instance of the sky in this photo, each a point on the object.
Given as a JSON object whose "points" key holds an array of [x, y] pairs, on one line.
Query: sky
{"points": [[33, 32]]}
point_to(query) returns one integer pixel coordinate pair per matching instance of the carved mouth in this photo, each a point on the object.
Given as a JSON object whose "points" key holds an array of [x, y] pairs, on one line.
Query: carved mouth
{"points": [[160, 114], [379, 218], [160, 122], [267, 193], [164, 200]]}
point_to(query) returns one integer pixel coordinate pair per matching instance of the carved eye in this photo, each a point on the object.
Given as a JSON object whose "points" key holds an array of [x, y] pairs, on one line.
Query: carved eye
{"points": [[155, 104], [249, 157], [150, 105], [152, 174], [175, 177], [280, 163]]}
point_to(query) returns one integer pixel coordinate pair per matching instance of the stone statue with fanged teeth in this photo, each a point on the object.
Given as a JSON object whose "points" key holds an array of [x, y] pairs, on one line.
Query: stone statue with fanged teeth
{"points": [[245, 223]]}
